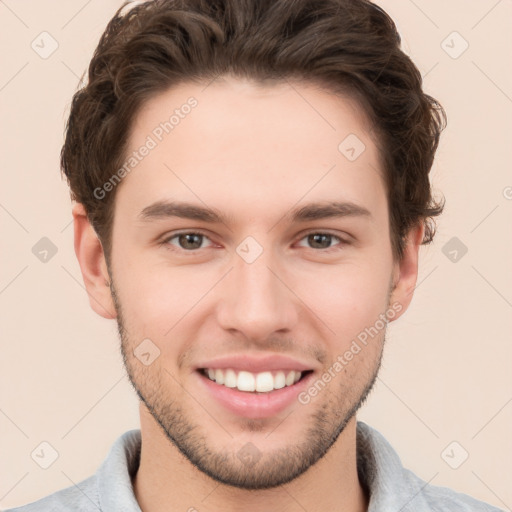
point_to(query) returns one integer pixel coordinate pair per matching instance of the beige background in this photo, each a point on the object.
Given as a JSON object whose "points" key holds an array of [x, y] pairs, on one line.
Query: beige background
{"points": [[446, 374]]}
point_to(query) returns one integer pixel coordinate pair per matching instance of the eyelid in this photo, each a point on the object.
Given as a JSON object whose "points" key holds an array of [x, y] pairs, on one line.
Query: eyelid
{"points": [[174, 234], [345, 237], [342, 240]]}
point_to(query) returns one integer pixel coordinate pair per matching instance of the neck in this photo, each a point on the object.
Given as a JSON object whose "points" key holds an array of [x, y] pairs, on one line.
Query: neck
{"points": [[166, 480]]}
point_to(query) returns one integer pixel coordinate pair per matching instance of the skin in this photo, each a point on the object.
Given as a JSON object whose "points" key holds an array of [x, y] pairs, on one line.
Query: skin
{"points": [[253, 152]]}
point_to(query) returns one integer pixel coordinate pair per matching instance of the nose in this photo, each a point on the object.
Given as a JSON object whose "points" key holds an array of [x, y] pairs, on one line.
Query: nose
{"points": [[256, 299]]}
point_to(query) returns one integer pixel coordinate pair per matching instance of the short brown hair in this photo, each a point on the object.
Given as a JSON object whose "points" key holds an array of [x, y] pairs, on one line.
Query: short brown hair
{"points": [[349, 46]]}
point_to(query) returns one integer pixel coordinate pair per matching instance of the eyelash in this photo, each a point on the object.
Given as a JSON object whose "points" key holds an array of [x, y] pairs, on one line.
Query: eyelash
{"points": [[166, 241]]}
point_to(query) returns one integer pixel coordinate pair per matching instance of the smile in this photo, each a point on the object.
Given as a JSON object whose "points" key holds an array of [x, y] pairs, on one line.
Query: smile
{"points": [[262, 382]]}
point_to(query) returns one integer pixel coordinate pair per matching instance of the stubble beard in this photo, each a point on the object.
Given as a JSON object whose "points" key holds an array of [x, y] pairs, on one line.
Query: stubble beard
{"points": [[263, 470]]}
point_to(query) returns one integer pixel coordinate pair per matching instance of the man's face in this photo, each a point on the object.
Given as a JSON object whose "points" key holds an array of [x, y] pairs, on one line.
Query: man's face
{"points": [[258, 284]]}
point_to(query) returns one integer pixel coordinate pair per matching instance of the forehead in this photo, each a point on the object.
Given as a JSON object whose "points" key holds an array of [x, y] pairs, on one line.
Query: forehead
{"points": [[261, 108], [233, 142]]}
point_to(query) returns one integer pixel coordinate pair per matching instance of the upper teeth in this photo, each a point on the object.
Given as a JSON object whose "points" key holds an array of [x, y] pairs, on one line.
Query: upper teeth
{"points": [[247, 381]]}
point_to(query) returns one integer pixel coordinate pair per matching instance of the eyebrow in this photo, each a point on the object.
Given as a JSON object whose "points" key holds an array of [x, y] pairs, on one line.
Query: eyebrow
{"points": [[313, 211]]}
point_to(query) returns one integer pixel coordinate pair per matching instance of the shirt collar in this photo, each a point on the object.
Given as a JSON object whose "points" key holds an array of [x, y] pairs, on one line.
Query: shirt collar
{"points": [[115, 488]]}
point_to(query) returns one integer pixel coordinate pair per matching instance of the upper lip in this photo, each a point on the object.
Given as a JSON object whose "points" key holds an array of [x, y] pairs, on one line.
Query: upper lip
{"points": [[256, 364]]}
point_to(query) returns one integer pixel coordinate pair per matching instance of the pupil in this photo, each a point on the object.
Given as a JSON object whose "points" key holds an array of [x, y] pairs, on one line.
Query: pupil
{"points": [[315, 238], [187, 237]]}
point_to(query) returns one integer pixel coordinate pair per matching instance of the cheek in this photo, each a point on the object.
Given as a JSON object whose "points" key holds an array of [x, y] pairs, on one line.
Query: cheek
{"points": [[348, 298], [155, 298]]}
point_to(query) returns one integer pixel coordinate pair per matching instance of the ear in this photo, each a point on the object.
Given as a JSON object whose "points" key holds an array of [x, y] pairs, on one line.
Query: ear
{"points": [[405, 271], [89, 251]]}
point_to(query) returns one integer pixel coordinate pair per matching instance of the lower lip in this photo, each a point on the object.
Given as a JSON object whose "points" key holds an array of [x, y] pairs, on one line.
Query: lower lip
{"points": [[254, 405]]}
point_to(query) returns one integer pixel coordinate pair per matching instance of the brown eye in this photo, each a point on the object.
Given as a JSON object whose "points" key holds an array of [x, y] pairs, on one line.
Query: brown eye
{"points": [[322, 240], [188, 241]]}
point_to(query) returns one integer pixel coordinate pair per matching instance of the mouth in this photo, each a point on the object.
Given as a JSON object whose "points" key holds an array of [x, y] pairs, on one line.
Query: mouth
{"points": [[253, 395], [257, 383]]}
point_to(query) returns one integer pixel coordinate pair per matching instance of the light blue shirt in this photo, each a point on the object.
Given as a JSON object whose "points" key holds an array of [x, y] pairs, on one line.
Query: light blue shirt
{"points": [[392, 488]]}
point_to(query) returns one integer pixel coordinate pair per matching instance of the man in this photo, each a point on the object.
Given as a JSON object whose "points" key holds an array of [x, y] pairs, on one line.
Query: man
{"points": [[251, 187]]}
